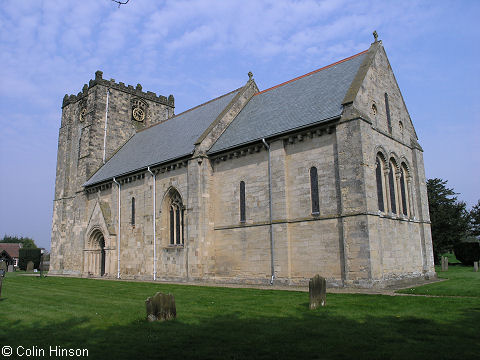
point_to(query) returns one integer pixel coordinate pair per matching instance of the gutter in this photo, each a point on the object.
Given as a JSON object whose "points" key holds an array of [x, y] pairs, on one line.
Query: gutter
{"points": [[154, 228], [272, 265], [119, 231]]}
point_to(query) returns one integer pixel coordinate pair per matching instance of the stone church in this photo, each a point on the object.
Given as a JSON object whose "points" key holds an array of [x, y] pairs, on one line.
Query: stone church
{"points": [[320, 174]]}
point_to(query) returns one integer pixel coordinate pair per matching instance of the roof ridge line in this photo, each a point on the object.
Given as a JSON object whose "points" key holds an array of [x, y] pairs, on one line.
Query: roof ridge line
{"points": [[311, 72], [188, 110]]}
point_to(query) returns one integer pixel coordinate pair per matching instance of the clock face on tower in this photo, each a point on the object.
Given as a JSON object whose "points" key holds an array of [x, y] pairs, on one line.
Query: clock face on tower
{"points": [[138, 114], [139, 110]]}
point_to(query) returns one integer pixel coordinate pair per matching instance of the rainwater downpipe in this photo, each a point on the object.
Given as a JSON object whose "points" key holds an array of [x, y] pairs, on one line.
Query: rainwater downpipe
{"points": [[272, 266], [154, 229], [105, 127], [119, 231]]}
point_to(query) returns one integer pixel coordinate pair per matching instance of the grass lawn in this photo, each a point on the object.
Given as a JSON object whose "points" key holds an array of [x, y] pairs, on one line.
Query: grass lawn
{"points": [[108, 319]]}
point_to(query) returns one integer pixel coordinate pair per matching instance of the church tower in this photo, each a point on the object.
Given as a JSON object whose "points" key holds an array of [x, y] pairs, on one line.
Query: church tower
{"points": [[95, 124]]}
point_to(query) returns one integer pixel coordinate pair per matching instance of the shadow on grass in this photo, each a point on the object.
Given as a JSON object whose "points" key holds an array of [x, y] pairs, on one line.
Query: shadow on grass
{"points": [[316, 334]]}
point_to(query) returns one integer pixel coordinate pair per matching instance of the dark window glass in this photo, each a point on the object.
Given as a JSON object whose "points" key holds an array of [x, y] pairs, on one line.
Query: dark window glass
{"points": [[242, 201], [133, 211], [404, 195], [391, 179], [387, 110], [177, 223], [172, 226], [314, 190], [378, 172], [183, 217]]}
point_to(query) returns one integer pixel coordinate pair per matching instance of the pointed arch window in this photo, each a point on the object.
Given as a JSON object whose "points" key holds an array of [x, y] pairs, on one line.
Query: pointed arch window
{"points": [[133, 212], [379, 177], [314, 191], [176, 225], [391, 184], [242, 202]]}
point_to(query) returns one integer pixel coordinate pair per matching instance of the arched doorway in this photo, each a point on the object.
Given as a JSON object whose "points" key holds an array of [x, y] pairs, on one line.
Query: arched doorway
{"points": [[95, 257]]}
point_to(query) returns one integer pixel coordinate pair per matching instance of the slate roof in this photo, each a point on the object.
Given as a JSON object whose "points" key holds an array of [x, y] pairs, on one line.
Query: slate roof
{"points": [[172, 139], [11, 248], [304, 101]]}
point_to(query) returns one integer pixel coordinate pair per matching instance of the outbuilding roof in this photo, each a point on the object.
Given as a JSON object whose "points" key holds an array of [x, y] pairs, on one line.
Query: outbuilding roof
{"points": [[303, 101], [11, 248], [172, 139]]}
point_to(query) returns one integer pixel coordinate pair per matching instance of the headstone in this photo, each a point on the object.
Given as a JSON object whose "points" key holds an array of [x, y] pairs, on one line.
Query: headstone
{"points": [[161, 307], [475, 266], [10, 268], [3, 265], [444, 263], [30, 266], [318, 291]]}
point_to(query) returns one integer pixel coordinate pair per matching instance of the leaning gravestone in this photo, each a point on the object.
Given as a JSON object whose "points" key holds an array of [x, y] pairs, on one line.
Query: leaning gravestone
{"points": [[318, 291], [10, 268], [161, 307], [30, 266]]}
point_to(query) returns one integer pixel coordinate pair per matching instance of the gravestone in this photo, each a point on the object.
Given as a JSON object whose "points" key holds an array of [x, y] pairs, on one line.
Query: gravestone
{"points": [[161, 307], [475, 266], [10, 268], [3, 265], [444, 263], [30, 266], [317, 287]]}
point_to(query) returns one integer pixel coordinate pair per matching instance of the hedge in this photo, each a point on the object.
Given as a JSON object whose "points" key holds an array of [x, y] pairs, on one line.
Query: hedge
{"points": [[467, 252], [26, 255]]}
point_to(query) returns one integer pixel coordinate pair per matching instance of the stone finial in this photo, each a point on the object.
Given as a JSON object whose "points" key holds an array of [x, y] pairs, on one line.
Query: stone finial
{"points": [[98, 75], [250, 75], [139, 87], [171, 99], [85, 88], [65, 100], [375, 35]]}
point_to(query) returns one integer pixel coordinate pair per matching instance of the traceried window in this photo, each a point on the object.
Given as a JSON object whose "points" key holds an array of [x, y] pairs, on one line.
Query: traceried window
{"points": [[242, 202], [379, 177], [314, 191], [176, 216], [133, 211]]}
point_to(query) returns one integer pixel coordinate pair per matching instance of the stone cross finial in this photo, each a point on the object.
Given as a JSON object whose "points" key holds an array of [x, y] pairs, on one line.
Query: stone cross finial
{"points": [[250, 75], [375, 35]]}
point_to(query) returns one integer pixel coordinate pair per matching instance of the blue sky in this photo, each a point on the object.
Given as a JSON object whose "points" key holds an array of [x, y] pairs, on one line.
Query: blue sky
{"points": [[201, 49]]}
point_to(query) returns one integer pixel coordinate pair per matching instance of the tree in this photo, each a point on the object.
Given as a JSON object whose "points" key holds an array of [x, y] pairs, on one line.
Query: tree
{"points": [[27, 243], [475, 220], [450, 220]]}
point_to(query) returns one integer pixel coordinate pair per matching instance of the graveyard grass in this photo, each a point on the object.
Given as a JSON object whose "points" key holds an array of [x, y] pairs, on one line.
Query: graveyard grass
{"points": [[108, 319]]}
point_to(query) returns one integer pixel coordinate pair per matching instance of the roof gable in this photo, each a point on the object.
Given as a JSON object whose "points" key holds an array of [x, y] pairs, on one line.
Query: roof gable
{"points": [[303, 101]]}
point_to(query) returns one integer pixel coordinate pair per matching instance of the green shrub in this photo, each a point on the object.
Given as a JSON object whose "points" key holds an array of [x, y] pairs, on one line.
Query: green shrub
{"points": [[26, 255], [467, 252]]}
